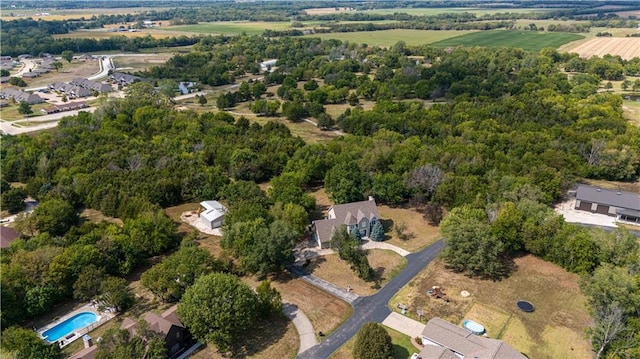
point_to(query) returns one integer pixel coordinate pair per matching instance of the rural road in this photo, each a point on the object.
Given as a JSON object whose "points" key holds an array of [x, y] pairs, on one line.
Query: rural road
{"points": [[373, 308]]}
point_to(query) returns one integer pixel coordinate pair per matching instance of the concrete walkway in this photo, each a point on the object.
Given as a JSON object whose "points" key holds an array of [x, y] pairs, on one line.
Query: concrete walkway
{"points": [[303, 326], [323, 284], [404, 325], [369, 244]]}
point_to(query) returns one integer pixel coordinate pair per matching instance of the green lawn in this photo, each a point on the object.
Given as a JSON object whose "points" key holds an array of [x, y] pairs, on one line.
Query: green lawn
{"points": [[528, 40], [390, 37]]}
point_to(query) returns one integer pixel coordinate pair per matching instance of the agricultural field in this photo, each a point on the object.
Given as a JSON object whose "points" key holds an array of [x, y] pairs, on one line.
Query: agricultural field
{"points": [[106, 33], [233, 27], [140, 63], [390, 37], [66, 14], [527, 40], [436, 11], [556, 329], [627, 48]]}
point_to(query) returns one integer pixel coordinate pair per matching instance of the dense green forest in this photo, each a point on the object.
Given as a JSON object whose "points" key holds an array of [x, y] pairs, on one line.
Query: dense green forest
{"points": [[508, 134]]}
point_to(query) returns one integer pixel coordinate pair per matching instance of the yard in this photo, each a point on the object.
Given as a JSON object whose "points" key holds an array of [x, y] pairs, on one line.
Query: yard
{"points": [[555, 330], [402, 347], [418, 235], [386, 264]]}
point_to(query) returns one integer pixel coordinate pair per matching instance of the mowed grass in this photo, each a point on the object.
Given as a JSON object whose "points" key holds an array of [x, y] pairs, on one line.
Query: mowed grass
{"points": [[386, 265], [402, 346], [632, 111], [390, 37], [527, 40], [276, 338], [419, 234], [556, 328]]}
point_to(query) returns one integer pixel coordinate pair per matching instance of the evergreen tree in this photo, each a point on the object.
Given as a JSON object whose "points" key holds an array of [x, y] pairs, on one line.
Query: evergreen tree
{"points": [[373, 342], [377, 232]]}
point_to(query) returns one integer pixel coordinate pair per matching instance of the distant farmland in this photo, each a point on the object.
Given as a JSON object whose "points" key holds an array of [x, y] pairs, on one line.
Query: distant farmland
{"points": [[390, 37], [528, 40]]}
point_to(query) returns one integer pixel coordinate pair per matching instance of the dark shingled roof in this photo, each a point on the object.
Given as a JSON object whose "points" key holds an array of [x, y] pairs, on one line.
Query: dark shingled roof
{"points": [[348, 213], [7, 235], [160, 324], [621, 199]]}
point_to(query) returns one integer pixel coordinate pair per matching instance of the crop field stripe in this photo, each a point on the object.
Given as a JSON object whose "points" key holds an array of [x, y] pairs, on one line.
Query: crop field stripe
{"points": [[527, 40]]}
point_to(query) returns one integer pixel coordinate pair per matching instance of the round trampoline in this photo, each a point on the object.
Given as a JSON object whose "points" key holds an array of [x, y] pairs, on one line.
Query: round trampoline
{"points": [[525, 306]]}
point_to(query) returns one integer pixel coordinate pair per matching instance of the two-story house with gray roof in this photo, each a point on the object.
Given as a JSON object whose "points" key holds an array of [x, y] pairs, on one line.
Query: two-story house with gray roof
{"points": [[360, 216]]}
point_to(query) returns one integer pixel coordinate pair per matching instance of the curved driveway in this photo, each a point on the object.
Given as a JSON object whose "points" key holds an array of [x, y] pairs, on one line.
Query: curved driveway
{"points": [[373, 308]]}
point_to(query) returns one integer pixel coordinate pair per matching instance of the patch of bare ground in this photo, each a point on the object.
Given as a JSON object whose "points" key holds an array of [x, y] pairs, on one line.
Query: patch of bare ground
{"points": [[418, 233], [96, 216], [207, 241], [559, 306], [326, 10], [325, 311], [331, 268], [323, 203], [275, 338], [625, 47]]}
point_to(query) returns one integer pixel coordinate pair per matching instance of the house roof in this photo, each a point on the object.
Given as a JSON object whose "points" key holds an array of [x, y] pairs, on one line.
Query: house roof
{"points": [[348, 214], [467, 344], [86, 353], [212, 210], [436, 352], [621, 199], [7, 235], [158, 323]]}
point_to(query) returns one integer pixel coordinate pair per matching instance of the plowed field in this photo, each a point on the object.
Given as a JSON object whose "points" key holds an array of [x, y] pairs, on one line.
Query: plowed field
{"points": [[627, 48]]}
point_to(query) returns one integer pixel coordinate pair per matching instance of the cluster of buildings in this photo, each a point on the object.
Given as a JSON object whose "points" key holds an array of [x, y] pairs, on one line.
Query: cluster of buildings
{"points": [[15, 95], [80, 87], [69, 106]]}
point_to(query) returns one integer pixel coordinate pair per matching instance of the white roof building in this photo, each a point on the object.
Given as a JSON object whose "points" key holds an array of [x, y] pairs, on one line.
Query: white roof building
{"points": [[212, 213]]}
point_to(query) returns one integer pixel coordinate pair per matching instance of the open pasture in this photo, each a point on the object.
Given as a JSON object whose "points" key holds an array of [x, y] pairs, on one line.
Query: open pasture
{"points": [[527, 40], [627, 47], [390, 37], [436, 11], [231, 27]]}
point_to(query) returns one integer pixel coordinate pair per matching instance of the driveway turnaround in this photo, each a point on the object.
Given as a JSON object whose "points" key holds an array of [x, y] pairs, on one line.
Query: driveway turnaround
{"points": [[373, 308], [303, 326], [404, 325], [369, 244]]}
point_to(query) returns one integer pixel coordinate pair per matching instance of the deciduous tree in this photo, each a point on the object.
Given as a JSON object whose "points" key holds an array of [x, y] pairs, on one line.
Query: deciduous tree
{"points": [[373, 342]]}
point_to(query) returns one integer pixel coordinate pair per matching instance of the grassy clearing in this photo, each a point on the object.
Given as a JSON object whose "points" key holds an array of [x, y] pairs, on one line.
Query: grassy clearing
{"points": [[276, 338], [545, 23], [632, 111], [402, 347], [419, 233], [386, 265], [528, 40], [141, 63], [390, 37], [325, 311], [554, 330], [96, 216], [10, 113]]}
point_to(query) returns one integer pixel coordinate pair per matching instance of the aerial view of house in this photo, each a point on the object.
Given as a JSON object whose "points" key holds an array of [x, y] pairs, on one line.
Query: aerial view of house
{"points": [[357, 216]]}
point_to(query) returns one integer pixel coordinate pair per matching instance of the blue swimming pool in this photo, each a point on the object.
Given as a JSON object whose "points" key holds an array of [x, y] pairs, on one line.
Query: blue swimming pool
{"points": [[70, 325]]}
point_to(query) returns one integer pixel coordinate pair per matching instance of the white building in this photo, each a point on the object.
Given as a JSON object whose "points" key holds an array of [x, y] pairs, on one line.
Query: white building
{"points": [[212, 214]]}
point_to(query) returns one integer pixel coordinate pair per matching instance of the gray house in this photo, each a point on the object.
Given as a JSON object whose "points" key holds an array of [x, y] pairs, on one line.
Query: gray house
{"points": [[623, 205], [444, 340], [360, 216]]}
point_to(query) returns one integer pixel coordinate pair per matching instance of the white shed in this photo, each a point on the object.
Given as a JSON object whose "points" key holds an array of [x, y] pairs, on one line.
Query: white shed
{"points": [[212, 214]]}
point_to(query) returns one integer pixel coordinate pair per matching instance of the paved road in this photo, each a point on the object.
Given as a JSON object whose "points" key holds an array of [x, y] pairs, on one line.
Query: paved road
{"points": [[373, 308]]}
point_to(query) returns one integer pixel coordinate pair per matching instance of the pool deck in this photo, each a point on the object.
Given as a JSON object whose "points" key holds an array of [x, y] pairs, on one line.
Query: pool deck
{"points": [[103, 317]]}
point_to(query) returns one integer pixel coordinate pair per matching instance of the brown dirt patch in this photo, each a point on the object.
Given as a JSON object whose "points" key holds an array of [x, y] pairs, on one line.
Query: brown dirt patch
{"points": [[554, 292], [419, 233], [627, 47], [331, 268], [96, 216], [276, 338], [141, 63], [326, 10]]}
